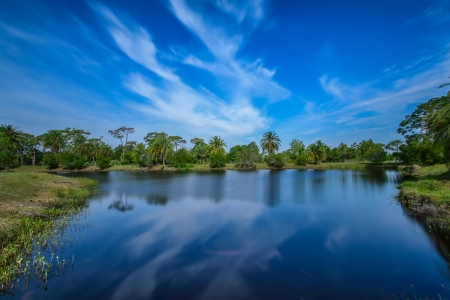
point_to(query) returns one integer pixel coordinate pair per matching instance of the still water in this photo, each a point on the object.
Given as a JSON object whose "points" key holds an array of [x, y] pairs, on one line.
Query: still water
{"points": [[250, 235]]}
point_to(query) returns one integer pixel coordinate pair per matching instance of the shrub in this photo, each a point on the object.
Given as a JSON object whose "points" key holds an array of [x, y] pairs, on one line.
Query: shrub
{"points": [[276, 160], [103, 162], [182, 160], [50, 161], [8, 159], [301, 159], [217, 160], [71, 161]]}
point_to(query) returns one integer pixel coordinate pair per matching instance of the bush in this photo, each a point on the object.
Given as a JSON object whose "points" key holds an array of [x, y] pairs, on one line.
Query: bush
{"points": [[276, 160], [8, 159], [103, 162], [217, 160], [301, 159], [182, 160], [71, 161], [50, 161]]}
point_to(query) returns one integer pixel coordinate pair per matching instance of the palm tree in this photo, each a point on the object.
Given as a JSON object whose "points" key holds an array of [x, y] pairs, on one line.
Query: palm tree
{"points": [[80, 144], [11, 137], [161, 146], [317, 152], [270, 142], [55, 140], [216, 145], [200, 151], [439, 124]]}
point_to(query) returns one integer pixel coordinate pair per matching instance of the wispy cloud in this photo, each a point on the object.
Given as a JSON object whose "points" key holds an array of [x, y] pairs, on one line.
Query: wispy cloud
{"points": [[242, 78], [438, 14], [198, 108]]}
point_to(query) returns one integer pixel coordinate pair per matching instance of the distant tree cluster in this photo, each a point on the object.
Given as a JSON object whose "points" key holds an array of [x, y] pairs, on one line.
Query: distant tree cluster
{"points": [[426, 135]]}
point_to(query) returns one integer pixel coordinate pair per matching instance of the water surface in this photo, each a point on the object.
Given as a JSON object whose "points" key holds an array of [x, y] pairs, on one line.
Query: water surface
{"points": [[250, 235]]}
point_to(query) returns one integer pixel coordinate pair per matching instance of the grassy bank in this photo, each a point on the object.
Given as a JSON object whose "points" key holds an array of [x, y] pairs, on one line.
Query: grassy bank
{"points": [[32, 207], [205, 167], [426, 194]]}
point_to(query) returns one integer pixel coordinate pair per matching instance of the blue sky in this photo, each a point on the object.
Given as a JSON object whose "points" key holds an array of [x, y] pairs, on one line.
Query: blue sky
{"points": [[330, 70]]}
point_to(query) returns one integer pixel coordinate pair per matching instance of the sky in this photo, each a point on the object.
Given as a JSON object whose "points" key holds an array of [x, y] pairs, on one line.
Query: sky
{"points": [[338, 71]]}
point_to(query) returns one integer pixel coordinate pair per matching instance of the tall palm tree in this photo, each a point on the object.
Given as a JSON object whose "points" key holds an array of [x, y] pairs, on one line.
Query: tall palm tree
{"points": [[270, 142], [55, 140], [161, 146], [79, 144], [11, 137], [217, 145]]}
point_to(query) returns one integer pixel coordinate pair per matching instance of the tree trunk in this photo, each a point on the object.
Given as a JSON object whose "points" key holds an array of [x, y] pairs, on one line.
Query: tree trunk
{"points": [[34, 155]]}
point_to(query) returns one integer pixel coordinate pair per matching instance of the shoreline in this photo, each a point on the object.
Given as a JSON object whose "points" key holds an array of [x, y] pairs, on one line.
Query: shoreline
{"points": [[32, 207], [425, 194], [206, 167]]}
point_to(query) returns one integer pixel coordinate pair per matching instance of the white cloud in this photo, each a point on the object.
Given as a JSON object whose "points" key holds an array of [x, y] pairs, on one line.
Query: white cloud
{"points": [[244, 9], [250, 79], [196, 109]]}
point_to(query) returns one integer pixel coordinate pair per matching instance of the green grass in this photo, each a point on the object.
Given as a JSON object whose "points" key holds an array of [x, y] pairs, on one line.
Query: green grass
{"points": [[426, 194], [32, 207]]}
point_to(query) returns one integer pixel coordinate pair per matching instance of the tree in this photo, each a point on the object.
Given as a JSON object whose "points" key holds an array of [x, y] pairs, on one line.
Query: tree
{"points": [[317, 152], [160, 146], [438, 124], [11, 138], [54, 139], [233, 152], [217, 145], [80, 144], [375, 153], [270, 142], [200, 150], [296, 149], [217, 160], [120, 133], [177, 141], [248, 156], [276, 160], [394, 147]]}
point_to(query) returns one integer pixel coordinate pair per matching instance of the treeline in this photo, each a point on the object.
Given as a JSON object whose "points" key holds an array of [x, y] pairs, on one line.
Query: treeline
{"points": [[426, 141]]}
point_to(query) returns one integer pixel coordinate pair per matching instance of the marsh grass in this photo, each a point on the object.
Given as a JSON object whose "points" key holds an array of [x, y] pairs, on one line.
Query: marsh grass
{"points": [[426, 194], [35, 211]]}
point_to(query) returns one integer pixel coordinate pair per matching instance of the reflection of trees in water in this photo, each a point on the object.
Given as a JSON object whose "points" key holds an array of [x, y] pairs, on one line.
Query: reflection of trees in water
{"points": [[273, 187], [156, 200], [120, 205], [440, 240]]}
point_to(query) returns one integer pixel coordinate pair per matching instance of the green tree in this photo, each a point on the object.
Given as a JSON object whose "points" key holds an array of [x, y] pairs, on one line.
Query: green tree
{"points": [[317, 152], [120, 133], [296, 148], [248, 157], [375, 153], [200, 150], [276, 160], [233, 152], [160, 146], [217, 145], [11, 138], [217, 160], [80, 145], [55, 140], [177, 141], [270, 142]]}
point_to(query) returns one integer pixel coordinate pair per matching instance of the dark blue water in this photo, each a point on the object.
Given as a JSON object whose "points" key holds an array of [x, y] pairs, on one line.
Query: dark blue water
{"points": [[250, 235]]}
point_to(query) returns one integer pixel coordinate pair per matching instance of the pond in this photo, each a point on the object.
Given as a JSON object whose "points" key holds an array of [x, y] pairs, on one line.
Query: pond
{"points": [[249, 235]]}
